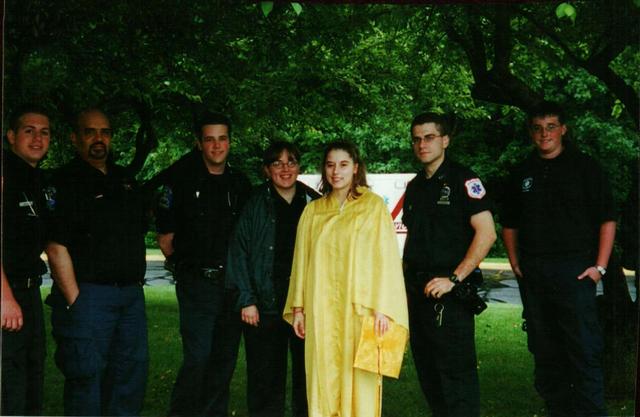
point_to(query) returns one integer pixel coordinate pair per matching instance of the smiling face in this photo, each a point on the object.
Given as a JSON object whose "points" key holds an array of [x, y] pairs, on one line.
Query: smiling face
{"points": [[339, 170], [428, 144], [214, 144], [30, 141], [546, 133], [283, 172]]}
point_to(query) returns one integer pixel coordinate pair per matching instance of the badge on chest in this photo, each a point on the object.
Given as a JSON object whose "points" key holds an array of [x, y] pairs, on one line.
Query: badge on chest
{"points": [[445, 194]]}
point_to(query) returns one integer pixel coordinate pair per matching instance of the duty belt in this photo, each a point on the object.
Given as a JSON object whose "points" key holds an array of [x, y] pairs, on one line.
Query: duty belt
{"points": [[25, 284], [213, 274]]}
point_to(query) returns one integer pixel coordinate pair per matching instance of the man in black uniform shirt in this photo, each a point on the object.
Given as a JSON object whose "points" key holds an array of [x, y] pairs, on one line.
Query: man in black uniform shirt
{"points": [[200, 202], [23, 239], [97, 257], [558, 229], [450, 230]]}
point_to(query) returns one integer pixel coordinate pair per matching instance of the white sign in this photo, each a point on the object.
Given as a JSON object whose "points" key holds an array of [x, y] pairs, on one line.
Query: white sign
{"points": [[390, 187]]}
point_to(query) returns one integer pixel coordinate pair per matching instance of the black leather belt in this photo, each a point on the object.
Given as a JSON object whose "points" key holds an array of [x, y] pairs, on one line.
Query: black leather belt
{"points": [[25, 284]]}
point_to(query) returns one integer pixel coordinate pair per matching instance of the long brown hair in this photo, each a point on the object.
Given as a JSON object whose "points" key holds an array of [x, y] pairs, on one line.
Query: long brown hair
{"points": [[359, 178]]}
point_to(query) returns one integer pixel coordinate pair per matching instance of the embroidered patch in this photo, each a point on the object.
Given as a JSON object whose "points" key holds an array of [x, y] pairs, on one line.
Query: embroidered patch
{"points": [[50, 197], [166, 197], [475, 189], [527, 183]]}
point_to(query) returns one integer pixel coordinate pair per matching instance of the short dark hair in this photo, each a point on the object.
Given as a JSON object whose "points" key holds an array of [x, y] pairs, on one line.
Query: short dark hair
{"points": [[544, 109], [14, 119], [210, 118], [359, 179], [273, 152], [440, 120]]}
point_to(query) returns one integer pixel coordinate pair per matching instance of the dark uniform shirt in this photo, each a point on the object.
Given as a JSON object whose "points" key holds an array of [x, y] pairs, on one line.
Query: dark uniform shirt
{"points": [[437, 214], [200, 209], [101, 220], [558, 204], [24, 212], [287, 217]]}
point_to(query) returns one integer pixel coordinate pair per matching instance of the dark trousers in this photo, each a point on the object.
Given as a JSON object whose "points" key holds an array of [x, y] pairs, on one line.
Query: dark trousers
{"points": [[102, 349], [210, 340], [23, 354], [266, 350], [566, 336], [444, 356]]}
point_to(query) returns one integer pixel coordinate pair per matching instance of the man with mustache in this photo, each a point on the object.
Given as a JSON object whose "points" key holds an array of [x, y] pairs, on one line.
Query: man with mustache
{"points": [[96, 253], [24, 210]]}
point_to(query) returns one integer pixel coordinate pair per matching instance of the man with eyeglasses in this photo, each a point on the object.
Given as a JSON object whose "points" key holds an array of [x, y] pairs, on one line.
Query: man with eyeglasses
{"points": [[260, 258], [558, 229], [96, 252], [200, 201], [24, 209], [450, 230]]}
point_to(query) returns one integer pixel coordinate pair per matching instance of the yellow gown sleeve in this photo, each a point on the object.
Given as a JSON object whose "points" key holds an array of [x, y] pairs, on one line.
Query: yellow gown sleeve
{"points": [[297, 281], [382, 287]]}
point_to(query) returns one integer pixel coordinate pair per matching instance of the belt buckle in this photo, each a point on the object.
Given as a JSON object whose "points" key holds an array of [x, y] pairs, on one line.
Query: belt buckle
{"points": [[212, 273]]}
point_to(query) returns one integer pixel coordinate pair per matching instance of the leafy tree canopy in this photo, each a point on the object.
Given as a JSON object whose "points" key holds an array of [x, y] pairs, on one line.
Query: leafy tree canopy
{"points": [[311, 73]]}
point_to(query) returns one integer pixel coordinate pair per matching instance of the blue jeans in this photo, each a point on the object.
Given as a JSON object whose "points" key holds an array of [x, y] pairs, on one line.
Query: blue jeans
{"points": [[102, 349], [210, 332], [565, 335]]}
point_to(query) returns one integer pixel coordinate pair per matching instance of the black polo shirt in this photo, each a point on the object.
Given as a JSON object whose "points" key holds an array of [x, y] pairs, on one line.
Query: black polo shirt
{"points": [[24, 212], [437, 213], [287, 217], [101, 220], [557, 205], [201, 209]]}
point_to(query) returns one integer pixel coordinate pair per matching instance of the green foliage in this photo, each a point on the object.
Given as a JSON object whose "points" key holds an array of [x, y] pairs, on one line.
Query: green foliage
{"points": [[566, 10], [312, 75]]}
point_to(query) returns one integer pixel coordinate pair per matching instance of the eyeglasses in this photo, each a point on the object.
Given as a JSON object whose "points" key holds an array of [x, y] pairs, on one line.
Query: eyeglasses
{"points": [[281, 164], [428, 139], [550, 128]]}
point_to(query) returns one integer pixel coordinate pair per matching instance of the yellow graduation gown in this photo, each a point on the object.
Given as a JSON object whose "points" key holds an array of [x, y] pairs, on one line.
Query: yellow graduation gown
{"points": [[346, 265]]}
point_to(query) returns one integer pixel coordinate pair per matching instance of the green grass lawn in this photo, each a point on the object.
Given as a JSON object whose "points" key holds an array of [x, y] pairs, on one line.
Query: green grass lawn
{"points": [[504, 364]]}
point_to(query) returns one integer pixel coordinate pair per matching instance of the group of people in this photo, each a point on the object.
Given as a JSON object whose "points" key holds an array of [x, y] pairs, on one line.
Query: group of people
{"points": [[291, 269]]}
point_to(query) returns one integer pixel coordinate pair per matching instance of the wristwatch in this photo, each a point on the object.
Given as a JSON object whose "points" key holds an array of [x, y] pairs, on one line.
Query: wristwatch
{"points": [[454, 278], [601, 269]]}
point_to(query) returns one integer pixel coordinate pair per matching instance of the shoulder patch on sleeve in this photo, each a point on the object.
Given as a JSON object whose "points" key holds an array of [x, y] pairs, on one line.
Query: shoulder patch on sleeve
{"points": [[475, 189], [166, 197]]}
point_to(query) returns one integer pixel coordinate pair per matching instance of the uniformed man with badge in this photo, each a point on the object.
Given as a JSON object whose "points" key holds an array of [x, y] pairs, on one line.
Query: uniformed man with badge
{"points": [[24, 208], [558, 229], [450, 230], [96, 252], [200, 202]]}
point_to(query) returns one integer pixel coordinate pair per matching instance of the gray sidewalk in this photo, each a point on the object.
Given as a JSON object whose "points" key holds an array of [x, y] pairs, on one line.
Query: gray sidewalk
{"points": [[500, 285]]}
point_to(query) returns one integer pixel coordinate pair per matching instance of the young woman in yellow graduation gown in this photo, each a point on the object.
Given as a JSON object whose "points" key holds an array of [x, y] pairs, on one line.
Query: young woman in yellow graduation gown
{"points": [[346, 266]]}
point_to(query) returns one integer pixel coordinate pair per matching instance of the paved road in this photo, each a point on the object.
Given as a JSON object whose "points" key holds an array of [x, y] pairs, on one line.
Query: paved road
{"points": [[500, 285]]}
